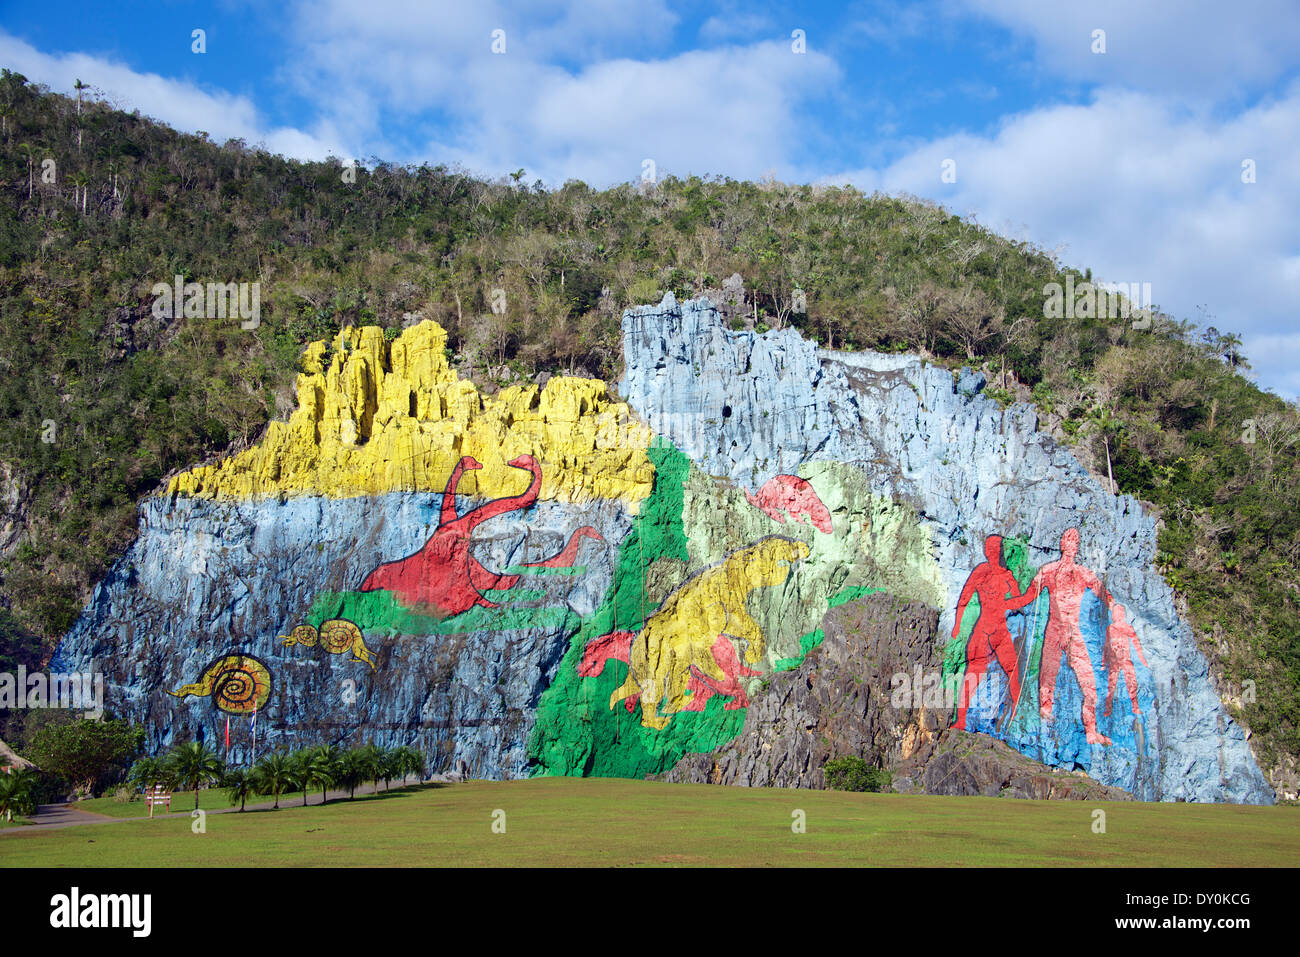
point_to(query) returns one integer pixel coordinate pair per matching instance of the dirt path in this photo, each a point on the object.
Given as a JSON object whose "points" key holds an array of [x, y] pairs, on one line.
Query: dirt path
{"points": [[53, 817]]}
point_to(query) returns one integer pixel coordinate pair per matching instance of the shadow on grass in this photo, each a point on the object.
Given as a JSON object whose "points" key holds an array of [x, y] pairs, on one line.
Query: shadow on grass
{"points": [[396, 792]]}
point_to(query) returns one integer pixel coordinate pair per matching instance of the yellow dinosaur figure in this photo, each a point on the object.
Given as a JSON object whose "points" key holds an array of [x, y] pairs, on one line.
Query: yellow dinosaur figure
{"points": [[682, 633]]}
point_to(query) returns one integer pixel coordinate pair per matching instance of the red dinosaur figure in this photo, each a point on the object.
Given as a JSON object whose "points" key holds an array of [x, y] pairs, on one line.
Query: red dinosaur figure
{"points": [[793, 495], [443, 574]]}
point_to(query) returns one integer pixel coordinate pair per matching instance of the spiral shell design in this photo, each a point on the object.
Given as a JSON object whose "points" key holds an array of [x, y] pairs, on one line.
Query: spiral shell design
{"points": [[339, 635], [304, 635], [238, 684], [336, 636]]}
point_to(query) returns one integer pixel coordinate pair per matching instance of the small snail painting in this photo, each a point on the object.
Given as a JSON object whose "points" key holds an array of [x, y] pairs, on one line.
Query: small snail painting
{"points": [[238, 684], [338, 635]]}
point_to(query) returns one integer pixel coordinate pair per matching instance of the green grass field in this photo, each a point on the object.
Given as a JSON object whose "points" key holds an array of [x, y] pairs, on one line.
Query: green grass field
{"points": [[210, 799], [568, 821]]}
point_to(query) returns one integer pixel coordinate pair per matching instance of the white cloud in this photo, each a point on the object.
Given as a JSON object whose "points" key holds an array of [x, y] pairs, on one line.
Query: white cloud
{"points": [[732, 109], [180, 105], [1206, 48], [1141, 190]]}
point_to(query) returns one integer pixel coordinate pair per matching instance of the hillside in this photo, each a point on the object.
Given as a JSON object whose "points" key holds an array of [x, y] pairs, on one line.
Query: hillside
{"points": [[134, 399]]}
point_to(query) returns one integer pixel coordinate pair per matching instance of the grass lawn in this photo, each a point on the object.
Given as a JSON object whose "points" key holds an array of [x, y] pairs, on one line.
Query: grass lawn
{"points": [[210, 799], [569, 821]]}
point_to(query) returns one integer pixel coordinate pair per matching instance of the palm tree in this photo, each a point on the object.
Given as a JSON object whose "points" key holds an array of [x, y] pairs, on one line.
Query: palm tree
{"points": [[193, 765], [241, 784], [369, 758], [300, 771], [350, 772], [409, 761], [29, 150], [80, 86], [323, 764], [80, 186], [272, 775], [390, 765], [16, 792], [147, 772]]}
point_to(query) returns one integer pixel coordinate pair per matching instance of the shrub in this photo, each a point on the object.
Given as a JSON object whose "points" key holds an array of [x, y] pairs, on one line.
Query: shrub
{"points": [[854, 774]]}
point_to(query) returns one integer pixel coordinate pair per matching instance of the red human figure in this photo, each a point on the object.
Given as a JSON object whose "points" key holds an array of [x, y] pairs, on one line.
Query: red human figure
{"points": [[443, 574], [997, 588], [1119, 636], [1066, 582]]}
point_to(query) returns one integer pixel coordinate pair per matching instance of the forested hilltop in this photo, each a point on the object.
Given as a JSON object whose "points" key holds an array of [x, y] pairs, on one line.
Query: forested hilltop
{"points": [[102, 398]]}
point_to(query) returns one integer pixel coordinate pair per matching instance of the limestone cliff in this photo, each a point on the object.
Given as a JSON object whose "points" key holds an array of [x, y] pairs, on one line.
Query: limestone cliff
{"points": [[554, 581]]}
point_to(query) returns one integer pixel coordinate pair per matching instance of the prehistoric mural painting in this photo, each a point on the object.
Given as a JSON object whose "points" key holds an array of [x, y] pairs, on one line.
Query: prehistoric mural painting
{"points": [[443, 578], [706, 600], [995, 587], [790, 495], [237, 684], [678, 641], [626, 603], [336, 636], [1048, 631], [1119, 637]]}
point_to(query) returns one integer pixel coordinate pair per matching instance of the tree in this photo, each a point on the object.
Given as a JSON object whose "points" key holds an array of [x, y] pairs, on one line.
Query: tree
{"points": [[300, 770], [193, 765], [370, 764], [351, 772], [411, 761], [79, 86], [85, 751], [851, 773], [16, 789], [147, 772], [273, 775], [323, 768], [390, 765], [971, 318], [30, 152], [241, 783]]}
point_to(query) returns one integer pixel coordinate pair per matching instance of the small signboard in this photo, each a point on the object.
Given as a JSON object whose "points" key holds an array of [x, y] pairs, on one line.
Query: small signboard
{"points": [[157, 795]]}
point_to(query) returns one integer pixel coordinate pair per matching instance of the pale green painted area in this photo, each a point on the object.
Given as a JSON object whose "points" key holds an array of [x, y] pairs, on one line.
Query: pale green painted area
{"points": [[875, 545]]}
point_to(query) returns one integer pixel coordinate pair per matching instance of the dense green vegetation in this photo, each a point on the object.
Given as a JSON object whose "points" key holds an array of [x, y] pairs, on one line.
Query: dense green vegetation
{"points": [[84, 753], [192, 766], [103, 399], [852, 773]]}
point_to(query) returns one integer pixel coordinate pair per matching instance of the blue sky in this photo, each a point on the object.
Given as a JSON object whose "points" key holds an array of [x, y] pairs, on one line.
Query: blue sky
{"points": [[1128, 161]]}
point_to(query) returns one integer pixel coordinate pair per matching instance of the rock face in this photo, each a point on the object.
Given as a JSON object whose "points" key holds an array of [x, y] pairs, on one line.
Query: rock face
{"points": [[835, 704], [552, 581], [963, 764], [839, 702], [238, 554], [748, 407]]}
